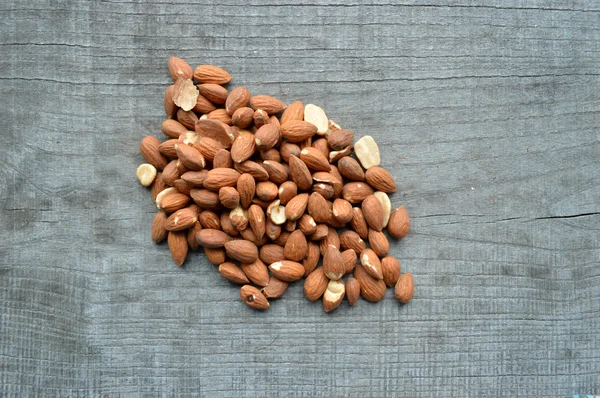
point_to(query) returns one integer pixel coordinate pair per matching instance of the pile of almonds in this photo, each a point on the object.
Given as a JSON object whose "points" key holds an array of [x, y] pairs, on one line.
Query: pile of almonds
{"points": [[272, 187]]}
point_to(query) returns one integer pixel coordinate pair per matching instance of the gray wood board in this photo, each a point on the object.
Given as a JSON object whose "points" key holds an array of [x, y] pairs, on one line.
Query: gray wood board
{"points": [[487, 114]]}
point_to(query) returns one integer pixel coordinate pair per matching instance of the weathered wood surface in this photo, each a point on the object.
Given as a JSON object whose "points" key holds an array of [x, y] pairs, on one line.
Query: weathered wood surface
{"points": [[487, 113]]}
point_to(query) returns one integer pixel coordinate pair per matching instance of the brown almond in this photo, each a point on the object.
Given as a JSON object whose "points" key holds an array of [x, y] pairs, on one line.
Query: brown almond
{"points": [[322, 146], [260, 118], [159, 231], [233, 273], [253, 298], [321, 232], [278, 173], [180, 220], [300, 173], [191, 236], [290, 226], [195, 178], [211, 74], [150, 152], [371, 263], [399, 223], [221, 177], [170, 173], [314, 159], [214, 129], [325, 190], [351, 240], [315, 284], [351, 169], [209, 219], [254, 169], [275, 288], [318, 208], [287, 271], [272, 230], [294, 111], [371, 289], [257, 272], [356, 192], [271, 154], [215, 93], [295, 208], [178, 246], [157, 186], [390, 268], [172, 128], [379, 243], [222, 159], [266, 190], [212, 238], [221, 115], [237, 98], [307, 224], [205, 199], [333, 263], [257, 220], [187, 118], [352, 290], [178, 68], [297, 130], [267, 103], [287, 191], [349, 256], [243, 148], [296, 246], [267, 136], [288, 149], [405, 288], [340, 139], [227, 226], [342, 211], [215, 255], [246, 186], [358, 223], [167, 148], [334, 156], [271, 253], [243, 117], [242, 251], [313, 254], [373, 212], [334, 294], [170, 107], [208, 147], [174, 202], [190, 157], [203, 105], [380, 179]]}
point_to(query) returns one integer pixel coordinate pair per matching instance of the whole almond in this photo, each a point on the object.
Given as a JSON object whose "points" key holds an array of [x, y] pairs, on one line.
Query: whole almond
{"points": [[295, 208], [275, 288], [351, 169], [390, 268], [157, 186], [208, 147], [371, 289], [187, 118], [373, 212], [314, 159], [190, 157], [315, 284], [150, 152], [297, 130], [167, 148], [170, 173], [340, 139], [356, 192], [379, 243], [195, 178], [322, 146], [205, 199], [211, 74], [203, 105], [243, 117], [215, 93], [191, 236], [367, 152], [159, 232], [178, 246], [386, 206], [170, 107], [260, 118], [299, 173], [237, 98], [216, 130], [349, 256], [325, 190], [333, 263], [294, 111], [312, 258], [342, 210], [271, 154], [287, 271], [272, 230], [254, 169], [318, 208], [254, 298], [371, 263], [178, 68], [267, 103], [242, 251], [288, 149], [267, 136], [209, 219], [180, 220], [296, 246], [352, 290], [246, 186], [174, 202], [243, 148], [257, 272], [320, 233], [359, 224], [271, 253], [212, 238], [172, 128], [399, 223], [266, 190], [405, 288], [220, 115], [380, 179], [221, 177], [315, 115], [222, 159], [163, 194], [185, 94], [333, 296], [278, 173], [233, 273], [351, 240], [257, 220], [307, 224], [215, 255]]}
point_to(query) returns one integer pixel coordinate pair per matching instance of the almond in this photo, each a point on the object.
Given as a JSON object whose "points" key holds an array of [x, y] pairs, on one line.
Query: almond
{"points": [[371, 263], [386, 206], [211, 74], [340, 139], [333, 263], [334, 156], [246, 187], [221, 177], [315, 115], [242, 251], [157, 187], [187, 118], [307, 224], [212, 238], [271, 253], [297, 130], [243, 117], [257, 220], [159, 232], [352, 290], [314, 159], [288, 271], [216, 130], [185, 94], [379, 243], [182, 186], [399, 223], [380, 179], [172, 128], [208, 147], [342, 211], [163, 194], [287, 191], [296, 246], [288, 149], [254, 169], [390, 268], [180, 220], [294, 111], [289, 226], [170, 173], [237, 99], [146, 173], [215, 255], [359, 224], [349, 256], [299, 173], [213, 92], [322, 146], [243, 148], [222, 159], [268, 104], [195, 178], [260, 118], [178, 68], [239, 218], [150, 152], [233, 273], [367, 152], [312, 258], [333, 296], [266, 190], [371, 289], [405, 288], [275, 288], [351, 240], [174, 202], [227, 226], [170, 107], [373, 212], [315, 284], [356, 192], [209, 219], [257, 272], [295, 207], [271, 154], [178, 246], [254, 298], [191, 236], [221, 115], [205, 198], [190, 157], [321, 232], [351, 169], [278, 173], [276, 213], [167, 148], [272, 230], [267, 136], [318, 208], [203, 106], [325, 190]]}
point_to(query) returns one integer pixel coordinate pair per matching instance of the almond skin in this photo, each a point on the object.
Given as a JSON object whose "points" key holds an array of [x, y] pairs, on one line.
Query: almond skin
{"points": [[300, 173], [371, 289], [315, 284], [254, 298], [243, 148], [307, 224], [296, 246], [288, 271], [180, 220], [352, 290], [295, 208], [267, 103], [278, 173], [391, 270], [233, 273], [340, 139], [271, 253], [297, 130], [380, 179], [349, 256], [311, 260], [178, 246], [246, 186], [242, 251], [399, 223], [237, 98], [356, 192], [211, 74], [359, 224], [257, 272], [172, 128], [373, 212], [215, 255], [318, 208], [314, 159], [405, 288], [243, 117], [215, 93], [214, 129], [333, 263], [287, 191], [294, 111], [159, 232], [150, 152], [212, 238], [371, 263], [221, 177], [351, 240], [351, 169], [342, 211], [379, 243], [267, 136], [275, 288]]}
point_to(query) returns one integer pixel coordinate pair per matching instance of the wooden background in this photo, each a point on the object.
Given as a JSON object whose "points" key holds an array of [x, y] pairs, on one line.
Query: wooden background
{"points": [[487, 112]]}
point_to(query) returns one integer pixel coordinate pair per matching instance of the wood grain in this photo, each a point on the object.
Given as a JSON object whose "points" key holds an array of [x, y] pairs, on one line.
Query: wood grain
{"points": [[487, 114]]}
